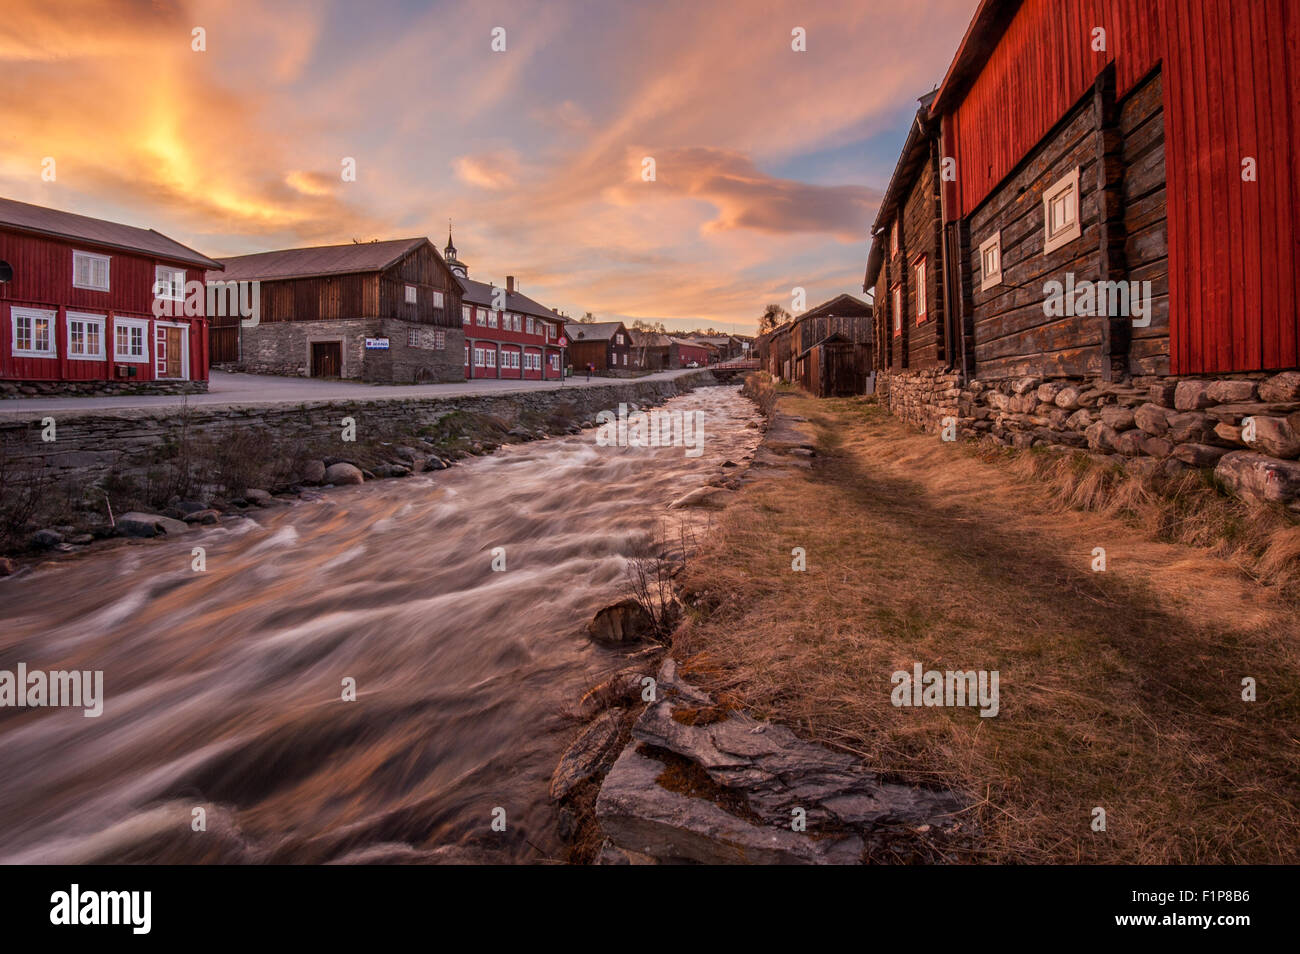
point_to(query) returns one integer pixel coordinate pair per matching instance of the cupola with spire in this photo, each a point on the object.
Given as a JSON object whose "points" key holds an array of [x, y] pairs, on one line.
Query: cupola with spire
{"points": [[449, 254]]}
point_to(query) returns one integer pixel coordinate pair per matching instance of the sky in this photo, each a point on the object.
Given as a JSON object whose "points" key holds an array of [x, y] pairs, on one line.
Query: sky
{"points": [[768, 163]]}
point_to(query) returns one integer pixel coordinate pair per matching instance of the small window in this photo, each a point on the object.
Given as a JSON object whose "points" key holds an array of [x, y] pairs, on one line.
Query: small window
{"points": [[85, 336], [479, 360], [411, 295], [169, 283], [491, 355], [893, 239], [90, 271], [898, 310], [482, 316], [518, 323], [528, 325], [991, 261], [412, 336], [130, 340], [440, 340], [465, 311], [492, 319], [1061, 223], [33, 333], [921, 290], [466, 354], [618, 339], [437, 299]]}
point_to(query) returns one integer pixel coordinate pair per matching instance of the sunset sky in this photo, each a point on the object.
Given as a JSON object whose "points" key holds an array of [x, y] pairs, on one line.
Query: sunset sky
{"points": [[769, 162]]}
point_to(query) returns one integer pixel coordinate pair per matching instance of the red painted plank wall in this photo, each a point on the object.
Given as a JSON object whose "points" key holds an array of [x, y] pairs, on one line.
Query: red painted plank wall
{"points": [[1231, 90]]}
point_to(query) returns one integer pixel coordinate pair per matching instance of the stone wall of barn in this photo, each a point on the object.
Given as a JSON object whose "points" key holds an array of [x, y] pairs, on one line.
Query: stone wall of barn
{"points": [[284, 347], [1245, 426]]}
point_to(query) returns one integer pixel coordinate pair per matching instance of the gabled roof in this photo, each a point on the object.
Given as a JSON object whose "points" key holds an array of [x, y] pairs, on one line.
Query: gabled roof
{"points": [[983, 33], [691, 342], [319, 260], [481, 293], [844, 305], [915, 151], [592, 331], [68, 225]]}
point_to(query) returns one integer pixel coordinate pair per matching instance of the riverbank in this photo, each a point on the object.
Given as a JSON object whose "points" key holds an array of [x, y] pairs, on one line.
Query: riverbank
{"points": [[68, 492], [1121, 682]]}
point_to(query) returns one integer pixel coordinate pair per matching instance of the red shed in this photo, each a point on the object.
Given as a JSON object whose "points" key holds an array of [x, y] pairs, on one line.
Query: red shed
{"points": [[78, 308]]}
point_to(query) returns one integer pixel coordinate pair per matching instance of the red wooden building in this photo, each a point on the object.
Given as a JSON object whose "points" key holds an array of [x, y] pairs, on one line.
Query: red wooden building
{"points": [[81, 304], [507, 334]]}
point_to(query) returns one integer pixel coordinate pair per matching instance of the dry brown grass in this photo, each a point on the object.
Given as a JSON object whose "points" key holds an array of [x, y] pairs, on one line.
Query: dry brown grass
{"points": [[1119, 689]]}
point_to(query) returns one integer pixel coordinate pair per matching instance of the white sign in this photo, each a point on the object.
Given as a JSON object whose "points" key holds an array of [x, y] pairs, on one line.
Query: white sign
{"points": [[376, 344]]}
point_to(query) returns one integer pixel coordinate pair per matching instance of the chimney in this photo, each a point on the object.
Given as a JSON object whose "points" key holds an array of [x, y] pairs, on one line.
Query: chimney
{"points": [[510, 284]]}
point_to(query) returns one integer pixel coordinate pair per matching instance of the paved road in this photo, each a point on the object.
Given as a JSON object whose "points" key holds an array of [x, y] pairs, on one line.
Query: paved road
{"points": [[242, 389]]}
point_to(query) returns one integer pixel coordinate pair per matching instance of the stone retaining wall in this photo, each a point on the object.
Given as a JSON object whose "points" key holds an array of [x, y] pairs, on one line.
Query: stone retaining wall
{"points": [[1246, 426], [91, 444], [25, 389]]}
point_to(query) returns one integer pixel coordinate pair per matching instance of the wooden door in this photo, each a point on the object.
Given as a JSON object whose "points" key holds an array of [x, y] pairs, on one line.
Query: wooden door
{"points": [[173, 353], [169, 352], [326, 359]]}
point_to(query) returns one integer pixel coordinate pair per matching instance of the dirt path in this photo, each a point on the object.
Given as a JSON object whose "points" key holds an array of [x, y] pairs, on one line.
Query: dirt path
{"points": [[1119, 689]]}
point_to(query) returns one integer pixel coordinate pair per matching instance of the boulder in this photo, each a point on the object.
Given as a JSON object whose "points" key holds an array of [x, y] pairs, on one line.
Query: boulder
{"points": [[1199, 455], [1261, 478], [1131, 443], [1152, 418], [1192, 395], [1101, 437], [343, 473], [1228, 432], [136, 524], [203, 517], [1163, 393], [1277, 436], [1079, 420], [45, 539], [1120, 418], [623, 622], [1231, 392], [435, 463], [1156, 446], [591, 752], [392, 470], [1190, 427], [997, 400], [260, 498], [624, 688], [1281, 388], [1068, 398], [312, 472]]}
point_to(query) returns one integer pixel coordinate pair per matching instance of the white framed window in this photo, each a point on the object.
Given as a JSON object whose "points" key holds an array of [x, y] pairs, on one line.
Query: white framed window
{"points": [[550, 332], [33, 333], [625, 360], [1061, 223], [479, 360], [465, 312], [618, 339], [91, 271], [437, 299], [131, 340], [528, 324], [920, 288], [482, 316], [519, 323], [893, 239], [169, 283], [555, 362], [412, 295], [467, 355], [440, 340], [492, 319], [491, 355], [86, 336], [991, 261], [413, 337], [898, 310]]}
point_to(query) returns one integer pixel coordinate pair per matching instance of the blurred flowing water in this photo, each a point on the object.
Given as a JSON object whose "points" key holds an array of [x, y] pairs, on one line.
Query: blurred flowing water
{"points": [[223, 688]]}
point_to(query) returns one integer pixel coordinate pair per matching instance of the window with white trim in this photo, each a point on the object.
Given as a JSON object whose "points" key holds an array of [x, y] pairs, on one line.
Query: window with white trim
{"points": [[413, 337], [528, 324], [437, 298], [481, 316], [169, 283], [920, 288], [893, 239], [898, 310], [991, 261], [465, 312], [90, 271], [491, 355], [467, 355], [440, 340], [1061, 224], [519, 323], [492, 318], [479, 360], [618, 339], [412, 295], [131, 340], [33, 333], [86, 336]]}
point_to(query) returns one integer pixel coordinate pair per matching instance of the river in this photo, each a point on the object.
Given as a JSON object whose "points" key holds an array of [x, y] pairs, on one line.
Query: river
{"points": [[223, 688]]}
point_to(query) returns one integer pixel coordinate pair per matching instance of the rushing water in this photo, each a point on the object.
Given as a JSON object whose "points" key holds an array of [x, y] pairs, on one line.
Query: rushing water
{"points": [[224, 687]]}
